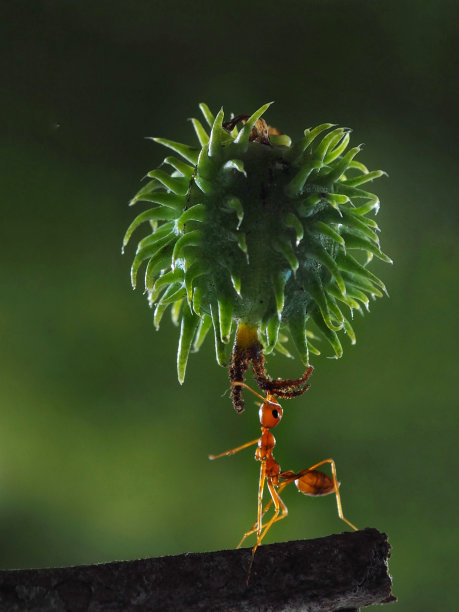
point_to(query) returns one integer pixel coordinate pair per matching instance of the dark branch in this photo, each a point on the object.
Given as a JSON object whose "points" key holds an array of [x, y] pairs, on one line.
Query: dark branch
{"points": [[339, 572]]}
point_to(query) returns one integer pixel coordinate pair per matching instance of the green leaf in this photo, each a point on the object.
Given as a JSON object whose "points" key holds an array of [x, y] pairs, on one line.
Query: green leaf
{"points": [[204, 326], [207, 114], [201, 133], [297, 326], [188, 153], [187, 331], [194, 213], [160, 213]]}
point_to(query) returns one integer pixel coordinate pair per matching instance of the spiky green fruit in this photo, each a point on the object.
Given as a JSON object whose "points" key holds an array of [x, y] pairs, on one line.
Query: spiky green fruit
{"points": [[251, 228]]}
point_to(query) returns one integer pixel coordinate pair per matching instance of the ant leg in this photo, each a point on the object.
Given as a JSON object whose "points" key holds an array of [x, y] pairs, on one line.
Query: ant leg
{"points": [[278, 503], [268, 506], [335, 487], [233, 451], [261, 486], [278, 506]]}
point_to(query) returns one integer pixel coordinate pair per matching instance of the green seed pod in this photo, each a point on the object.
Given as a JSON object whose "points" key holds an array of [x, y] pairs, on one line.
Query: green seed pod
{"points": [[252, 230]]}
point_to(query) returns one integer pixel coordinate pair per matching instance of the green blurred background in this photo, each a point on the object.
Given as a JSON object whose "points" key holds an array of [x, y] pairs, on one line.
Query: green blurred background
{"points": [[102, 454]]}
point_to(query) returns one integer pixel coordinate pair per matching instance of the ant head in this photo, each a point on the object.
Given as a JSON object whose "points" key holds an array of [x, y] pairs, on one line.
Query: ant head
{"points": [[270, 412]]}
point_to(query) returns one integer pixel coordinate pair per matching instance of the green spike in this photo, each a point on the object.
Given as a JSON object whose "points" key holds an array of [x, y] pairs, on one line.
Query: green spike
{"points": [[355, 294], [362, 284], [163, 231], [204, 185], [242, 139], [225, 317], [194, 213], [242, 244], [162, 305], [347, 299], [292, 221], [174, 276], [272, 331], [171, 200], [329, 334], [341, 166], [160, 261], [364, 178], [158, 314], [354, 192], [201, 133], [207, 166], [207, 114], [349, 331], [361, 224], [236, 164], [311, 347], [236, 281], [334, 309], [349, 264], [187, 152], [327, 142], [372, 204], [219, 346], [161, 213], [196, 269], [327, 230], [359, 166], [175, 312], [187, 331], [297, 325], [178, 293], [321, 301], [295, 187], [338, 198], [280, 348], [353, 221], [193, 238], [321, 255], [305, 208], [146, 253], [180, 166], [178, 185], [205, 323], [284, 247], [278, 283], [197, 299], [299, 147], [333, 154], [217, 135], [353, 241], [147, 189], [236, 205]]}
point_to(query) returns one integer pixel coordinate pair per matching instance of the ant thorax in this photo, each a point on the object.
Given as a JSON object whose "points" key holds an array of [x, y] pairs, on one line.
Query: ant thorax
{"points": [[266, 443]]}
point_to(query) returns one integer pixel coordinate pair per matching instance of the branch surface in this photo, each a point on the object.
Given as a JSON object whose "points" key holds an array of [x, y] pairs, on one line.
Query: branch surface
{"points": [[338, 572]]}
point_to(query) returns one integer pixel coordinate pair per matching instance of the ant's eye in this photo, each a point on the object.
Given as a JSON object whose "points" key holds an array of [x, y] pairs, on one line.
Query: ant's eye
{"points": [[275, 414]]}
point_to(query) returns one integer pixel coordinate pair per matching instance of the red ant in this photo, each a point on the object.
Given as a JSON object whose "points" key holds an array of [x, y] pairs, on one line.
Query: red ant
{"points": [[310, 481]]}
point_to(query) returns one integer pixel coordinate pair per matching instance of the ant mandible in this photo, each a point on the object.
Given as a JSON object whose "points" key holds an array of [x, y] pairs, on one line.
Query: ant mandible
{"points": [[309, 481]]}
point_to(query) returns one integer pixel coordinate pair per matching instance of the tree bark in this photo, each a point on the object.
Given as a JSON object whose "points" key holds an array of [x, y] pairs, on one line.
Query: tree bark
{"points": [[338, 572]]}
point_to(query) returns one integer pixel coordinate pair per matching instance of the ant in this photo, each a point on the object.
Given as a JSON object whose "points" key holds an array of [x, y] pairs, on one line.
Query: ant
{"points": [[309, 481]]}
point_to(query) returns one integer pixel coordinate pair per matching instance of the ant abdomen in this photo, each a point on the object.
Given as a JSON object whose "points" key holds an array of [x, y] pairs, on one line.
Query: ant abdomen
{"points": [[315, 483]]}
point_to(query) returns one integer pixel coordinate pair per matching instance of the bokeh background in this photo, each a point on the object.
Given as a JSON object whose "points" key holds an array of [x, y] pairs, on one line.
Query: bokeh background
{"points": [[103, 455]]}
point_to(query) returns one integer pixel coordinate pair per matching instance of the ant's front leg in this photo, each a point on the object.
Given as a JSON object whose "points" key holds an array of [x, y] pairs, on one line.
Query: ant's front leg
{"points": [[233, 451]]}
